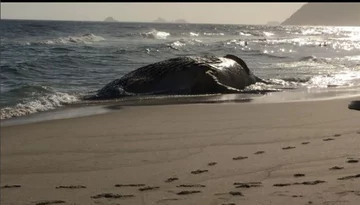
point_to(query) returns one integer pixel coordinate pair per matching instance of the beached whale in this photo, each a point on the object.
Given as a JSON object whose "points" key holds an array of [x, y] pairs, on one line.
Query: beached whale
{"points": [[183, 75]]}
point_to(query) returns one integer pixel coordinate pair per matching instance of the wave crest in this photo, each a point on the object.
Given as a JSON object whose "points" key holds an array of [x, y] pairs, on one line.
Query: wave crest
{"points": [[154, 34], [334, 80], [83, 39], [214, 34], [44, 103], [193, 34]]}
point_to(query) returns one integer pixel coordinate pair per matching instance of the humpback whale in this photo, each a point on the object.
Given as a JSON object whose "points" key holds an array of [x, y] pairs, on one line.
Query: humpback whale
{"points": [[183, 75]]}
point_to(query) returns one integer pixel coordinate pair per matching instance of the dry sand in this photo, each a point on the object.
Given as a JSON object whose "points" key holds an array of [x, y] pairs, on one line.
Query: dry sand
{"points": [[291, 145]]}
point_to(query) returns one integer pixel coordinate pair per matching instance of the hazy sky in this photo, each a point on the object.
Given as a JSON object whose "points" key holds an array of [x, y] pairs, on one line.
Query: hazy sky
{"points": [[232, 13]]}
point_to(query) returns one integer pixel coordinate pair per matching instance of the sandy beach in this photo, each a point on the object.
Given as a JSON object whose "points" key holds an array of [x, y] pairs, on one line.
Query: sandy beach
{"points": [[233, 153]]}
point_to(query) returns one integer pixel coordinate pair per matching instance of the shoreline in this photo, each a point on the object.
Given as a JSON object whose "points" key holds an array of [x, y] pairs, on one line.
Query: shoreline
{"points": [[170, 146], [89, 108]]}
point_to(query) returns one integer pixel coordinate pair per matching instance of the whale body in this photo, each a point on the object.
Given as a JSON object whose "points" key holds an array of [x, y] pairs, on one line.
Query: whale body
{"points": [[183, 75]]}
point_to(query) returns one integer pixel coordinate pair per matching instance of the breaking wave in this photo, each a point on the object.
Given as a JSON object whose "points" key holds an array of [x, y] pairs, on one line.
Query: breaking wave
{"points": [[154, 34], [44, 103], [214, 34], [345, 78], [82, 39], [194, 34]]}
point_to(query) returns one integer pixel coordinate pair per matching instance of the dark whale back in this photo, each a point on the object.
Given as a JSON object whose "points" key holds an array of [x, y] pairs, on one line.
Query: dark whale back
{"points": [[160, 69], [183, 75]]}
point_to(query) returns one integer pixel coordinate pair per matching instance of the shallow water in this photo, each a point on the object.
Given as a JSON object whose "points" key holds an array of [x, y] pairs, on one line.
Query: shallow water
{"points": [[50, 64]]}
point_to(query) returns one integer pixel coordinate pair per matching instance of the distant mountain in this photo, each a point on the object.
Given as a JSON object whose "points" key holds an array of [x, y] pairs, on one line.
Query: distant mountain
{"points": [[326, 14], [180, 21], [160, 20], [110, 19]]}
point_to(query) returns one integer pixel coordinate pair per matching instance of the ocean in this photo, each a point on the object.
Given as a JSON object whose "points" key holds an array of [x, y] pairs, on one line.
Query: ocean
{"points": [[48, 65]]}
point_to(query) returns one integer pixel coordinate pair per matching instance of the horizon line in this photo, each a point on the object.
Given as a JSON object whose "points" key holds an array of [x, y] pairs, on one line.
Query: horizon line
{"points": [[117, 21]]}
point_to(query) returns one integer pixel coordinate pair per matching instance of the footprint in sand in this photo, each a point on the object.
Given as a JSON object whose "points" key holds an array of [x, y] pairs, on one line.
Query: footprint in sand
{"points": [[289, 147], [304, 143], [259, 152], [212, 163], [357, 193], [280, 193], [188, 192], [335, 202], [171, 179], [11, 186], [149, 188], [191, 185], [239, 158], [310, 182], [300, 183], [349, 177], [129, 185], [352, 161], [71, 187], [236, 193], [299, 175], [336, 168], [111, 195], [328, 139], [337, 135], [282, 184], [48, 202], [199, 171], [247, 184]]}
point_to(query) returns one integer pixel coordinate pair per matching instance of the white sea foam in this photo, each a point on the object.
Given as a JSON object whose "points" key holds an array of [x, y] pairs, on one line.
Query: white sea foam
{"points": [[244, 34], [184, 42], [344, 78], [268, 33], [178, 44], [82, 39], [194, 34], [311, 31], [48, 102], [236, 42], [214, 34], [154, 34]]}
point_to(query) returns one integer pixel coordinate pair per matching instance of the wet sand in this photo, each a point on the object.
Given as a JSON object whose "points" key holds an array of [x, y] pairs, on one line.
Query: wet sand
{"points": [[236, 153]]}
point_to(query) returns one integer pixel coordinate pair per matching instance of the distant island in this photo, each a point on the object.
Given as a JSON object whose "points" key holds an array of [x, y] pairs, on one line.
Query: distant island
{"points": [[326, 14], [110, 19], [161, 20]]}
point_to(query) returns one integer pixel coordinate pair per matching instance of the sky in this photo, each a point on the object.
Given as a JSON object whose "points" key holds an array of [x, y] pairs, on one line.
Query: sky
{"points": [[224, 13]]}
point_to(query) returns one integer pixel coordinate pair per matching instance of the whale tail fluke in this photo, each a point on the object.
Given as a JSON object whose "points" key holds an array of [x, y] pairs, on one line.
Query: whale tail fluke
{"points": [[244, 65], [239, 61]]}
